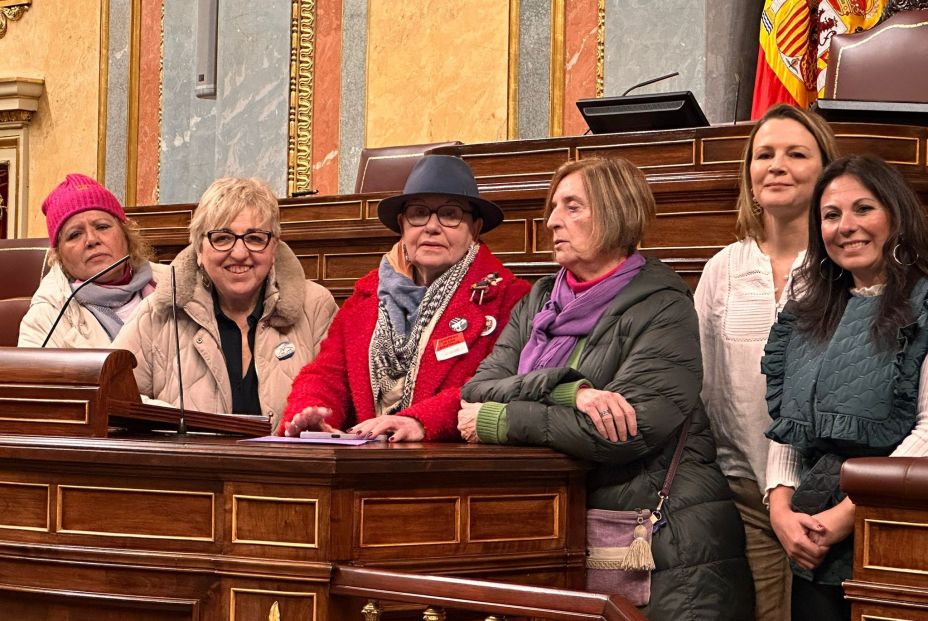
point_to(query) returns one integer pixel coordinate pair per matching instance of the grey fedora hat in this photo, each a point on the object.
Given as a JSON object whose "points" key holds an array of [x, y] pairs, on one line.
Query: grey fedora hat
{"points": [[440, 174]]}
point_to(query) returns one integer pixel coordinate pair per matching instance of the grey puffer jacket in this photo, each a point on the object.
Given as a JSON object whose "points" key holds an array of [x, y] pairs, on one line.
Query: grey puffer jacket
{"points": [[646, 347]]}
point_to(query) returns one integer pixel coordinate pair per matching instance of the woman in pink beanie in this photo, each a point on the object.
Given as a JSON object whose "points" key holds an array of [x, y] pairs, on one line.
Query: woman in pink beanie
{"points": [[87, 231]]}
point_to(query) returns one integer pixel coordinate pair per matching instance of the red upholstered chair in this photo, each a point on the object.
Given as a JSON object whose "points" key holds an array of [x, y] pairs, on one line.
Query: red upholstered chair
{"points": [[23, 263], [886, 63], [12, 311], [385, 169]]}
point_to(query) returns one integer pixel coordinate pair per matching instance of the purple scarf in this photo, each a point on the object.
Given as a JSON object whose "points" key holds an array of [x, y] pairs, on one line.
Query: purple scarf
{"points": [[567, 317]]}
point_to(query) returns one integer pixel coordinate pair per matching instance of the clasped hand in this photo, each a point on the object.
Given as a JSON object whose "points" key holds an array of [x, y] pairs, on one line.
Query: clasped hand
{"points": [[807, 538], [613, 416]]}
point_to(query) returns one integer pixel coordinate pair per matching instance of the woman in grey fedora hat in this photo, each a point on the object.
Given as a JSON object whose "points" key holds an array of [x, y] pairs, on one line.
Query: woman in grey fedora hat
{"points": [[415, 329]]}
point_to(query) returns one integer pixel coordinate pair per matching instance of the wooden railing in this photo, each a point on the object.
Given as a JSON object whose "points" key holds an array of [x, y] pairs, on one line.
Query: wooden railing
{"points": [[890, 537], [482, 600]]}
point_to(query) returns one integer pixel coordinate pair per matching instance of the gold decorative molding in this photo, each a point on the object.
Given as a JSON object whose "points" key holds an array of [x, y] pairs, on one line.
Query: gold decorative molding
{"points": [[557, 73], [132, 114], [15, 116], [157, 197], [372, 610], [302, 77], [12, 11], [512, 82], [600, 48], [103, 93]]}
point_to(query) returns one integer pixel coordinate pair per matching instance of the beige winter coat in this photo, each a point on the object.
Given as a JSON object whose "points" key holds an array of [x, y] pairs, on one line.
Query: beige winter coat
{"points": [[78, 327], [296, 312]]}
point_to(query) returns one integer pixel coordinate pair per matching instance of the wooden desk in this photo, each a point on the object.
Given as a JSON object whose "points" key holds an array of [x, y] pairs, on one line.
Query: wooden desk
{"points": [[890, 578], [205, 528], [693, 173]]}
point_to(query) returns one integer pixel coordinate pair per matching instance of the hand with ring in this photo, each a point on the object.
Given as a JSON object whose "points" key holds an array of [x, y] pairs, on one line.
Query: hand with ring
{"points": [[613, 416]]}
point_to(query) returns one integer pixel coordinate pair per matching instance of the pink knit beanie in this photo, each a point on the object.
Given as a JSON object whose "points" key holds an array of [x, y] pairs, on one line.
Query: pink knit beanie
{"points": [[75, 194]]}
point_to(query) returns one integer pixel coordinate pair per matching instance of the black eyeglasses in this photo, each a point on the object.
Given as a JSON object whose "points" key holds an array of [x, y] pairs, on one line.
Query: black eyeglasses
{"points": [[223, 239], [449, 215]]}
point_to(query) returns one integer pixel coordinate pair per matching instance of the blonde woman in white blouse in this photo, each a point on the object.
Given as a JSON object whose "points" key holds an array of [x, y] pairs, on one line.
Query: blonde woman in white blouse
{"points": [[741, 290]]}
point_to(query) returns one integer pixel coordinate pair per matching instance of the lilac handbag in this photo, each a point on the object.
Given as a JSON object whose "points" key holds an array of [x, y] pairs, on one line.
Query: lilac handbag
{"points": [[618, 554]]}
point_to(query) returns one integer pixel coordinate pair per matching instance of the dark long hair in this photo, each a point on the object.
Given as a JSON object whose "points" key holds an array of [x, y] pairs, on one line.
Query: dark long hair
{"points": [[824, 288]]}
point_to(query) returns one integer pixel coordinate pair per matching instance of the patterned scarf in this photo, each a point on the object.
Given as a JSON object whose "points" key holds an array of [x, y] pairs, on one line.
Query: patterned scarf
{"points": [[103, 300], [394, 352]]}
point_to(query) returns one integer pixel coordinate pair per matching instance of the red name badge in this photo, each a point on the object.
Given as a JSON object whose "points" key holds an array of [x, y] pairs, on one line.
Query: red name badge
{"points": [[450, 346]]}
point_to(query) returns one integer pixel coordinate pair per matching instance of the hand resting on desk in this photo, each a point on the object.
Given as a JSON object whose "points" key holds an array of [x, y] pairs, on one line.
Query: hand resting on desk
{"points": [[309, 419], [399, 428]]}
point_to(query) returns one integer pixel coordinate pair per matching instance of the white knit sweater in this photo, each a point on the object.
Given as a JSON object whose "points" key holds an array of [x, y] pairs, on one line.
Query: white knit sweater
{"points": [[736, 306]]}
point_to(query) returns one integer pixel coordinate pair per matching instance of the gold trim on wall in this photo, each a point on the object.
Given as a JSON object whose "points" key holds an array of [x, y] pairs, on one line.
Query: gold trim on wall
{"points": [[556, 75], [132, 117], [512, 119], [600, 48], [102, 109], [157, 195], [302, 73]]}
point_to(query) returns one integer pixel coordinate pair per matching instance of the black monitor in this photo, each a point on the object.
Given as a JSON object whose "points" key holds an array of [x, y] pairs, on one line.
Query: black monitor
{"points": [[635, 113]]}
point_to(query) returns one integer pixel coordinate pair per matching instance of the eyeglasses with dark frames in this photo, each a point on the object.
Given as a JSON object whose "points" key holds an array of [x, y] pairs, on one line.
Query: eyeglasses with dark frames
{"points": [[223, 240], [449, 215]]}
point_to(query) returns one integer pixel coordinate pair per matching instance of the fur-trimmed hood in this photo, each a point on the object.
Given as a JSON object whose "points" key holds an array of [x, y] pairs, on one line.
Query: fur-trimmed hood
{"points": [[283, 297]]}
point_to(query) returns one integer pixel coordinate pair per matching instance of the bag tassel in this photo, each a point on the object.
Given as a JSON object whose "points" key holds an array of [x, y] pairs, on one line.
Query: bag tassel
{"points": [[639, 557]]}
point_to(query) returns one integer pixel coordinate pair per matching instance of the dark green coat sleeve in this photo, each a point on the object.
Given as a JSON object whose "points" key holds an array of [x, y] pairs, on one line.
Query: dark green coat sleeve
{"points": [[650, 355]]}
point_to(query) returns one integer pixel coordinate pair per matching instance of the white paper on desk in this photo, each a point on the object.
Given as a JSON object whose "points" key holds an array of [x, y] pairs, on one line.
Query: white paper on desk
{"points": [[330, 440]]}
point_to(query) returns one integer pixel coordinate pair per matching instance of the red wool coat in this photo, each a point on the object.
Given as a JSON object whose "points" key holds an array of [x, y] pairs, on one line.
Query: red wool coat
{"points": [[339, 377]]}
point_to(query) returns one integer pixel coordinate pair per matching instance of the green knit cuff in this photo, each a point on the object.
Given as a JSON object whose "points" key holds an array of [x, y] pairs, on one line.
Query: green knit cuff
{"points": [[566, 394], [492, 423]]}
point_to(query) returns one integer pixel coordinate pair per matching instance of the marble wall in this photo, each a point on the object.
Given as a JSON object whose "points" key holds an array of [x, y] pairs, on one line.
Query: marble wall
{"points": [[437, 71], [371, 79], [712, 43], [243, 131], [117, 97], [60, 43]]}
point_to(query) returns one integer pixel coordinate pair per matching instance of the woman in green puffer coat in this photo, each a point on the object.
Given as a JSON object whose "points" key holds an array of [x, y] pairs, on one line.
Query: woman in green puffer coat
{"points": [[602, 362]]}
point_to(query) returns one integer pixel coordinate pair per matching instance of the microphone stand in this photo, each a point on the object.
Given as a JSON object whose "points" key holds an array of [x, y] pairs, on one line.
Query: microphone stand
{"points": [[79, 287], [182, 423]]}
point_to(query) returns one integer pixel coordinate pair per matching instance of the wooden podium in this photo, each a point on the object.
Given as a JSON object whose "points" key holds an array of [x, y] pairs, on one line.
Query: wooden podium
{"points": [[89, 392], [117, 525], [890, 537]]}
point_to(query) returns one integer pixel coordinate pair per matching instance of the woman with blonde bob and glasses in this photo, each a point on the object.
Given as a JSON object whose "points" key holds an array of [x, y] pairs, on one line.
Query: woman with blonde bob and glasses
{"points": [[602, 363], [247, 317], [415, 329]]}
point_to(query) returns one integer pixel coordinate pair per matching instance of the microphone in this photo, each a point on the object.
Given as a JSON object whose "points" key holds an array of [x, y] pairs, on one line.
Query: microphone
{"points": [[182, 422], [302, 193], [651, 81], [92, 279]]}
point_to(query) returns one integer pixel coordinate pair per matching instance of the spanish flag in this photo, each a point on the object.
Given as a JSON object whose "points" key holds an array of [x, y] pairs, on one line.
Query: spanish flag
{"points": [[794, 40]]}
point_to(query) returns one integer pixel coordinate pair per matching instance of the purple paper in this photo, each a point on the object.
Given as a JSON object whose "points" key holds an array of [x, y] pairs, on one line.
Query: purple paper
{"points": [[287, 440]]}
